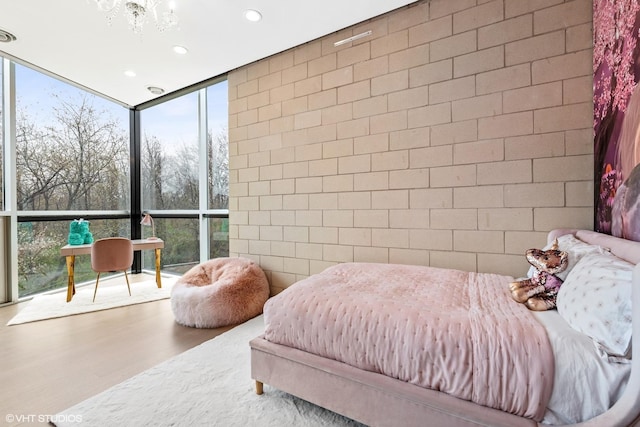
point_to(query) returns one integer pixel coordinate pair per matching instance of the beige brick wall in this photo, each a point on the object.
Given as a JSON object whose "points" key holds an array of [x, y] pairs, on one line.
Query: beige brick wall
{"points": [[456, 135]]}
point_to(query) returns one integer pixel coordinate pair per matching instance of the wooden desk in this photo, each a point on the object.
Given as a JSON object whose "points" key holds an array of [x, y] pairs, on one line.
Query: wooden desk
{"points": [[70, 251]]}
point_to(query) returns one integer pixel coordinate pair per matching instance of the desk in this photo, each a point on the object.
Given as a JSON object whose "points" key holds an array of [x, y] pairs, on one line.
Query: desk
{"points": [[70, 251]]}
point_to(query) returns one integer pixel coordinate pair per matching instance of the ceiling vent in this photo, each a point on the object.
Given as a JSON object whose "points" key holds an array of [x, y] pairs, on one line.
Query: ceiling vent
{"points": [[6, 37]]}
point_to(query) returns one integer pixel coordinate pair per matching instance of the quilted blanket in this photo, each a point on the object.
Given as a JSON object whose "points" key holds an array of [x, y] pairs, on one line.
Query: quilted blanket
{"points": [[452, 331]]}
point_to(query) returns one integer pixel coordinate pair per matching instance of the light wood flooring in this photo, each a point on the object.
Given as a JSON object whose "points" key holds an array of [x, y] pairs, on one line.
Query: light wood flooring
{"points": [[50, 365]]}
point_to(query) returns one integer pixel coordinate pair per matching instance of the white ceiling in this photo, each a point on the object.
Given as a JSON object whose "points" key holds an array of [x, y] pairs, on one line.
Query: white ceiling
{"points": [[72, 39]]}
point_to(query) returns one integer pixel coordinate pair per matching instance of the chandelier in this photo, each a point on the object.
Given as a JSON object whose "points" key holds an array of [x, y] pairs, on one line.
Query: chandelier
{"points": [[137, 13]]}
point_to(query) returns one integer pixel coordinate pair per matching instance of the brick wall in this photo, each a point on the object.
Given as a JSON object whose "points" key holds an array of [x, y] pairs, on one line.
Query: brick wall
{"points": [[456, 135]]}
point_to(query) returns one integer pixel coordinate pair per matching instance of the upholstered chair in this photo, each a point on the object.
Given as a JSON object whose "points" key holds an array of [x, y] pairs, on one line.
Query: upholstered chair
{"points": [[111, 254]]}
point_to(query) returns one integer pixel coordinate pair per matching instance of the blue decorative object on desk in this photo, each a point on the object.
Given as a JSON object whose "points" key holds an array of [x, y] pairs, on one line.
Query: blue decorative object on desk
{"points": [[79, 233]]}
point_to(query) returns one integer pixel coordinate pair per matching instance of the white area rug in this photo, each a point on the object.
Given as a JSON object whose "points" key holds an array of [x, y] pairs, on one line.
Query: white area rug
{"points": [[208, 385], [55, 305]]}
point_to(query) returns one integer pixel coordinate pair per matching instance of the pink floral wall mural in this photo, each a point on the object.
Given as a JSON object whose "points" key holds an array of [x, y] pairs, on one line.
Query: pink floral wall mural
{"points": [[616, 99]]}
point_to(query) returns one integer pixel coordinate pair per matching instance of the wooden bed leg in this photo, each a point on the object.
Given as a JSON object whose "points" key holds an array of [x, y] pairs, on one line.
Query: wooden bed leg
{"points": [[259, 387]]}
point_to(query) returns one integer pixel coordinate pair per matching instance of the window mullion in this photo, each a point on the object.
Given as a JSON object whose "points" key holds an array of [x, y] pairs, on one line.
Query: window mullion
{"points": [[10, 179], [203, 174]]}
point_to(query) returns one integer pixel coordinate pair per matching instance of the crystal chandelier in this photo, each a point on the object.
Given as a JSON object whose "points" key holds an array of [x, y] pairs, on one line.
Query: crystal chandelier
{"points": [[137, 13]]}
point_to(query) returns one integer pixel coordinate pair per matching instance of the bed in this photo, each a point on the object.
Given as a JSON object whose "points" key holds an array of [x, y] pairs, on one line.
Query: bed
{"points": [[329, 340]]}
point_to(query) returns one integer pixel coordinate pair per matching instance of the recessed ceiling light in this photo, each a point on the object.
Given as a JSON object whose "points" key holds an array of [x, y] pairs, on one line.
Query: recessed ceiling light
{"points": [[252, 15], [155, 90], [130, 73], [180, 50], [6, 36]]}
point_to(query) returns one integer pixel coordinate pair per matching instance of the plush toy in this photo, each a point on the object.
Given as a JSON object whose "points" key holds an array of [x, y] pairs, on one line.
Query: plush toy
{"points": [[79, 233], [539, 292]]}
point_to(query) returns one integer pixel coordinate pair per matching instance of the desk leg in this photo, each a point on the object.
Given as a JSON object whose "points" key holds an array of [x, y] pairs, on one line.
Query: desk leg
{"points": [[71, 286], [158, 281]]}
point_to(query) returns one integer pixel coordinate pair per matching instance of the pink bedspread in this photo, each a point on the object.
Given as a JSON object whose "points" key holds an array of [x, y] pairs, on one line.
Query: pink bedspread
{"points": [[452, 331]]}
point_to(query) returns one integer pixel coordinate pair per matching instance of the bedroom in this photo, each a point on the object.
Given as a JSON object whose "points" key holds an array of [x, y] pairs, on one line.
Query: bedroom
{"points": [[467, 136]]}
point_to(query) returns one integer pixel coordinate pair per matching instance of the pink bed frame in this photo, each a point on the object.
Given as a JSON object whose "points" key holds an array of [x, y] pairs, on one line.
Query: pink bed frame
{"points": [[377, 400]]}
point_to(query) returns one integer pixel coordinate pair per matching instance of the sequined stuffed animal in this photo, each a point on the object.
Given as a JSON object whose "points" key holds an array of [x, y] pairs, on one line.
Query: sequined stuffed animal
{"points": [[539, 292]]}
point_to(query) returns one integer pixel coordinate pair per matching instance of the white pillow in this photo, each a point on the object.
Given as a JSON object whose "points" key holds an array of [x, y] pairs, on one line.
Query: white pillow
{"points": [[575, 249], [595, 299]]}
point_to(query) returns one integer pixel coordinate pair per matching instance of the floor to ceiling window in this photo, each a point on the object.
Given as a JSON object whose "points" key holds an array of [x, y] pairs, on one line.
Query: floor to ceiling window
{"points": [[72, 160], [175, 164], [170, 178], [218, 169]]}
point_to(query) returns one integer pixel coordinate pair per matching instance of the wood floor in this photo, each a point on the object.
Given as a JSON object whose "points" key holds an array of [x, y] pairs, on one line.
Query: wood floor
{"points": [[50, 365]]}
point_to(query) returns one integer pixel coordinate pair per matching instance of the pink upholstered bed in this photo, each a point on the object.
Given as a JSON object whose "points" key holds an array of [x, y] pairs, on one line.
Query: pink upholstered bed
{"points": [[391, 345]]}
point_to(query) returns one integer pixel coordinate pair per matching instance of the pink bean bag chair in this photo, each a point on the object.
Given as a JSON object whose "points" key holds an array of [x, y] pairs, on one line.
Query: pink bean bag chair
{"points": [[219, 292]]}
